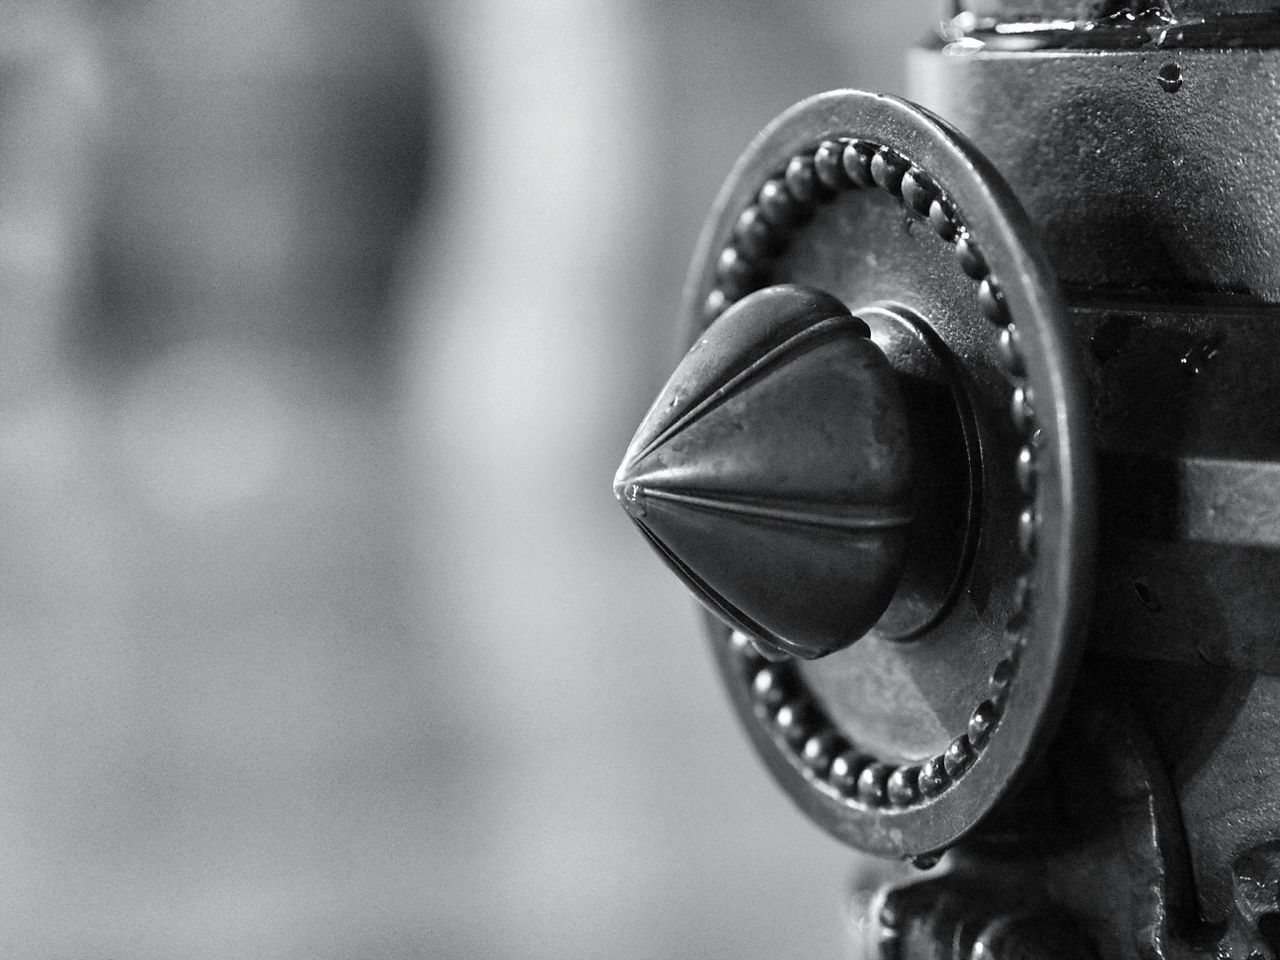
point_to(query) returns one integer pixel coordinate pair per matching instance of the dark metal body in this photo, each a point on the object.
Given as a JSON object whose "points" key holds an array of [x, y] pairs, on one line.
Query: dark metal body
{"points": [[1119, 168], [885, 743], [1158, 208]]}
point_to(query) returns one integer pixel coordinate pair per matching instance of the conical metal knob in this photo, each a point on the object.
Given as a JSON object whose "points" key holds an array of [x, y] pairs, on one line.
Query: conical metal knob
{"points": [[773, 473]]}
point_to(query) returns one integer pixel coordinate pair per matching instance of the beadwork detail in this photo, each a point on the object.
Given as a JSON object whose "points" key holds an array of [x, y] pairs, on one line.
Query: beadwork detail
{"points": [[783, 205]]}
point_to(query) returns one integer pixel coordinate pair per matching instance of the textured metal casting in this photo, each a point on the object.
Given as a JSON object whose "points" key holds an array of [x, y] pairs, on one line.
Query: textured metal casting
{"points": [[773, 474], [980, 673], [1067, 683]]}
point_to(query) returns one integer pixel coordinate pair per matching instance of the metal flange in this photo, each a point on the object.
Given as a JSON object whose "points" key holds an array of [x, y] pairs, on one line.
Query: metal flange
{"points": [[900, 743]]}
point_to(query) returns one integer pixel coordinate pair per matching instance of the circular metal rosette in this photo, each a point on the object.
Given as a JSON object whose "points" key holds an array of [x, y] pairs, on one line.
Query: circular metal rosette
{"points": [[901, 742]]}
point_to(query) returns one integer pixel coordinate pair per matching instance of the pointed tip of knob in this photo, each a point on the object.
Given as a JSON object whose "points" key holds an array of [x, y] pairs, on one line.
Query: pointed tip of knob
{"points": [[777, 484], [630, 494]]}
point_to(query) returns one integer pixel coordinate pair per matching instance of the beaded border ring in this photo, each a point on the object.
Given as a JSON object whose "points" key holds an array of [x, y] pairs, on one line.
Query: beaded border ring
{"points": [[825, 146], [784, 204]]}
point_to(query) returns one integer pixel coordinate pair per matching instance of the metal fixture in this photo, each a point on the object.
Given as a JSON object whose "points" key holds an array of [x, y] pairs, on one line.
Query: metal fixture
{"points": [[975, 462]]}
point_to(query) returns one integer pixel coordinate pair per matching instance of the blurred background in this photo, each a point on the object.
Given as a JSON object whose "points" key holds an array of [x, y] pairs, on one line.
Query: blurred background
{"points": [[322, 328]]}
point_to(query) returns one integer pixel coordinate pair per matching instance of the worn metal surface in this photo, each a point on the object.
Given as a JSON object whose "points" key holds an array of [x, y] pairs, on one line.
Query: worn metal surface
{"points": [[1172, 264], [1077, 10], [1142, 140], [901, 747], [1189, 440], [773, 473], [1157, 207], [1132, 189], [1020, 26]]}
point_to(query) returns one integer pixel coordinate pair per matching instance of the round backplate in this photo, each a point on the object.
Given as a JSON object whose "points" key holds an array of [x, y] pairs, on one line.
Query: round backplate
{"points": [[899, 747]]}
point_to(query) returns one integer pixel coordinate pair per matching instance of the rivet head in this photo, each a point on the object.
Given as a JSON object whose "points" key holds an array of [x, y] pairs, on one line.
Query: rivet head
{"points": [[1009, 348], [1026, 470], [958, 755], [856, 160], [715, 304], [1021, 410], [991, 302], [795, 720], [942, 220], [887, 170], [903, 786], [1001, 682], [820, 749], [1002, 675], [873, 782], [845, 769], [981, 722], [735, 274], [770, 687], [1027, 531], [801, 180], [917, 191], [1021, 599], [971, 261], [828, 164], [933, 777], [778, 206], [755, 236]]}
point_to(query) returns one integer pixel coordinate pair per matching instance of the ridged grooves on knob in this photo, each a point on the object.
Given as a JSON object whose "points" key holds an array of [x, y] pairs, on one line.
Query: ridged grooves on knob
{"points": [[800, 718], [773, 472]]}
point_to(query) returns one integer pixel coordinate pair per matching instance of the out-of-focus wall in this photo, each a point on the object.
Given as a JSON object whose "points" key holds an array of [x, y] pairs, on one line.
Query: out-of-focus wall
{"points": [[323, 326], [215, 738], [608, 806]]}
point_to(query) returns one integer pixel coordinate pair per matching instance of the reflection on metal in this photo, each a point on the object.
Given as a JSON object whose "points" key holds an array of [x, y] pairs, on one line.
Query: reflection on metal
{"points": [[1068, 684], [895, 774], [773, 473]]}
